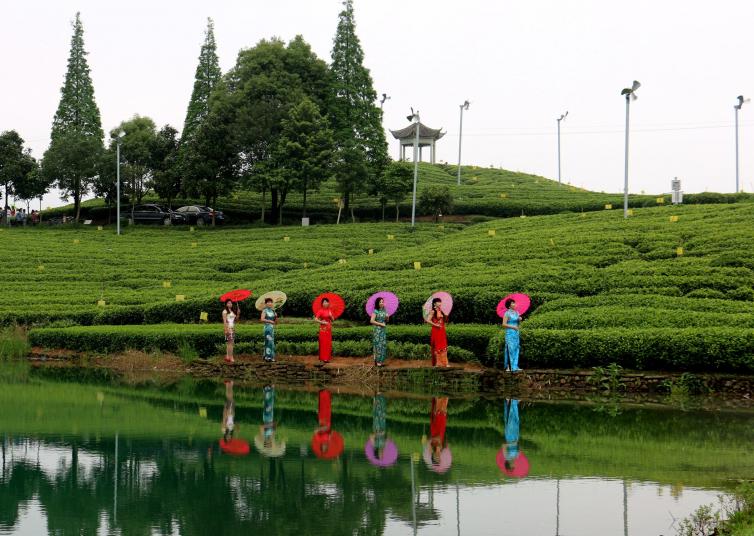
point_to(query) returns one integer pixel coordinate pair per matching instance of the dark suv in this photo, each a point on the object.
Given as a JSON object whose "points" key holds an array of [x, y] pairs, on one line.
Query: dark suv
{"points": [[201, 215], [154, 213]]}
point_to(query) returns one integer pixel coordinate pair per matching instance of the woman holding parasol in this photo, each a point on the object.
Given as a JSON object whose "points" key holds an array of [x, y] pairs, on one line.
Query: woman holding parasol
{"points": [[231, 315], [511, 324], [437, 317], [327, 307], [269, 318], [380, 307]]}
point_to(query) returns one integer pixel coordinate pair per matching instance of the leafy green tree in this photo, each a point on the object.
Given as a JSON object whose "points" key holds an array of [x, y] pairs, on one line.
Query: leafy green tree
{"points": [[137, 163], [76, 127], [166, 176], [33, 185], [356, 119], [436, 200], [303, 155], [207, 76], [16, 163], [394, 184]]}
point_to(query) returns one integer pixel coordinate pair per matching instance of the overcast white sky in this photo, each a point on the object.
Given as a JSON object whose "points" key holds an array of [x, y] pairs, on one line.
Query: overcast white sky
{"points": [[521, 64]]}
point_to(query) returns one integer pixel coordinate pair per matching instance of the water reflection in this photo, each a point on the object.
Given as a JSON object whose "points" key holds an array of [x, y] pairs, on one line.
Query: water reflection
{"points": [[228, 443], [142, 462]]}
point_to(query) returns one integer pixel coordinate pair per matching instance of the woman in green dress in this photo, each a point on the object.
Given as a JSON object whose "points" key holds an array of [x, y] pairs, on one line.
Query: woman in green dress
{"points": [[269, 318], [379, 332]]}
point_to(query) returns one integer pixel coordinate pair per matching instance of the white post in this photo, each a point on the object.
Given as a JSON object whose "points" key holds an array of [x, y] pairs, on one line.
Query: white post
{"points": [[559, 181], [460, 135], [736, 108], [416, 169], [625, 178], [117, 189]]}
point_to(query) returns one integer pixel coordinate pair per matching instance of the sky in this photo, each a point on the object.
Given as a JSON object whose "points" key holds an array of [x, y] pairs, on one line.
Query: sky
{"points": [[520, 64]]}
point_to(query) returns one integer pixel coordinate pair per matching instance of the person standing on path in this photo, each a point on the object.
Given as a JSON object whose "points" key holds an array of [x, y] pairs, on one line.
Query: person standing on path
{"points": [[231, 315], [379, 320], [438, 339], [511, 324], [269, 318], [325, 319]]}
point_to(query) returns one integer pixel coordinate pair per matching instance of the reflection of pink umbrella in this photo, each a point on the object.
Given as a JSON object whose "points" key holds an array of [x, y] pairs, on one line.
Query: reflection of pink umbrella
{"points": [[391, 302], [389, 453], [446, 305], [522, 304], [446, 458], [519, 464]]}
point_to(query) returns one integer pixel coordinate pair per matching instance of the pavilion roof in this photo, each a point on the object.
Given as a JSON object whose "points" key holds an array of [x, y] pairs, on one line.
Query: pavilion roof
{"points": [[424, 132]]}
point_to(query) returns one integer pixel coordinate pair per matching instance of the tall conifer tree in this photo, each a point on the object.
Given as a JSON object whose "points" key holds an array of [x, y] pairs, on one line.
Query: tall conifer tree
{"points": [[207, 75]]}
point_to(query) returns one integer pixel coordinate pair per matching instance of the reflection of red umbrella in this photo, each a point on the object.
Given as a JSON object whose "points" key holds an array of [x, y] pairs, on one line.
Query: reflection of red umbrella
{"points": [[519, 466], [391, 302], [522, 304], [327, 445], [235, 447], [337, 305], [236, 295]]}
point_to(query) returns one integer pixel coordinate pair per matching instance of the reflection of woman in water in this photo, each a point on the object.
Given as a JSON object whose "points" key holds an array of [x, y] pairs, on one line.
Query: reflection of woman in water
{"points": [[512, 425], [229, 412], [379, 424], [436, 452], [326, 442], [265, 441]]}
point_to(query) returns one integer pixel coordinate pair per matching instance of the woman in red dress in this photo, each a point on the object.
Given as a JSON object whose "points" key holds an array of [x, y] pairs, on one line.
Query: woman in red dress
{"points": [[438, 340], [325, 319]]}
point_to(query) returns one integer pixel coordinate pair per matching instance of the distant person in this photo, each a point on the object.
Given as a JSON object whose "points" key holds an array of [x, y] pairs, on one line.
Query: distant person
{"points": [[231, 315], [269, 318], [438, 339], [379, 320], [34, 217], [325, 319], [511, 324]]}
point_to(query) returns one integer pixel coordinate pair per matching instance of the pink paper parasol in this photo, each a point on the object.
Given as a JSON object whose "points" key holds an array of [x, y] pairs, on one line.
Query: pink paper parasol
{"points": [[389, 453], [446, 305], [446, 459], [519, 464], [391, 302], [522, 303]]}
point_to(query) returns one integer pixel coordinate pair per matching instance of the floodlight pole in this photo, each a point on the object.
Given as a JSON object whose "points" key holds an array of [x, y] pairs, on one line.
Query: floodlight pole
{"points": [[736, 108], [464, 106], [416, 168], [625, 174], [117, 186], [562, 117]]}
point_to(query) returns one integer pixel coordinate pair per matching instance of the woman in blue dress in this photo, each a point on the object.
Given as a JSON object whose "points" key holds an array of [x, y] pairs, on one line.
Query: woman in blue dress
{"points": [[511, 324], [269, 318]]}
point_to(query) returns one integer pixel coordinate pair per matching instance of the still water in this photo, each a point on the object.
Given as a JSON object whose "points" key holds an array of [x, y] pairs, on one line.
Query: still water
{"points": [[217, 458]]}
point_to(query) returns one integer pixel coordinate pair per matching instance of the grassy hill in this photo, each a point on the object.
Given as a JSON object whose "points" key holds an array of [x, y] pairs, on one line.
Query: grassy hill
{"points": [[484, 191], [669, 287]]}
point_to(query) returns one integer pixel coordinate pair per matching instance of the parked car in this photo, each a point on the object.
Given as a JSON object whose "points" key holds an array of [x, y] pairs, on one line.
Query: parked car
{"points": [[154, 213], [201, 215]]}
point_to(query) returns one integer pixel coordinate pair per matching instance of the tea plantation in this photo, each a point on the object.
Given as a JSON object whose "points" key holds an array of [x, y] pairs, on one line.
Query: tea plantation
{"points": [[670, 288]]}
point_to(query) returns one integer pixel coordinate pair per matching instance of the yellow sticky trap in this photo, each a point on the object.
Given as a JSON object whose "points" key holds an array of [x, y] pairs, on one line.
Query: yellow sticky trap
{"points": [[341, 261], [491, 232], [203, 412], [99, 227], [679, 251], [191, 229], [503, 195], [370, 252], [522, 216], [552, 242], [673, 219], [40, 268], [417, 265], [306, 265], [203, 316], [101, 303], [286, 239], [660, 200], [194, 244], [76, 241], [180, 297], [608, 206], [391, 237], [630, 212], [167, 283], [100, 396]]}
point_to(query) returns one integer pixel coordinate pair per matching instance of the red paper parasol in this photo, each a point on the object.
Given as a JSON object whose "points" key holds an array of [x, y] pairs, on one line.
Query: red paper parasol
{"points": [[337, 305], [235, 295], [446, 305], [519, 464], [235, 447], [327, 445], [522, 304], [391, 302]]}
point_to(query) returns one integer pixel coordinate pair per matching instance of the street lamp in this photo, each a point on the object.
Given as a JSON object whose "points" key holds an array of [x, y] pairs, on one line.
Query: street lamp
{"points": [[464, 106], [561, 118], [737, 107], [415, 118], [630, 93], [118, 141], [384, 98]]}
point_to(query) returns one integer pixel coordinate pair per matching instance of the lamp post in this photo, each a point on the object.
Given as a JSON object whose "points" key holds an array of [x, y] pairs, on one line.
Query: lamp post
{"points": [[630, 93], [561, 118], [118, 141], [415, 118], [737, 107], [464, 106], [384, 98]]}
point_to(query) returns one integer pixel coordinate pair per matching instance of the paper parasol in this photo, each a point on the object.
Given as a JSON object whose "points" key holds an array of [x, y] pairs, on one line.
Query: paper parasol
{"points": [[235, 447], [391, 302], [327, 445], [337, 305], [235, 295], [522, 303], [446, 458], [389, 453], [446, 306], [274, 450], [519, 464], [278, 299]]}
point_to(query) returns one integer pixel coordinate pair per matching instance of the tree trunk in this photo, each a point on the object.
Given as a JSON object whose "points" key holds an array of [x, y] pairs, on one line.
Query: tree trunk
{"points": [[273, 202], [283, 195], [384, 204], [353, 218], [77, 206], [303, 213], [397, 211], [264, 200]]}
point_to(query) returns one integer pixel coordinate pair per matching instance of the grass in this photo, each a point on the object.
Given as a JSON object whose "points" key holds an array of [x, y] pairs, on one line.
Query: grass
{"points": [[13, 343]]}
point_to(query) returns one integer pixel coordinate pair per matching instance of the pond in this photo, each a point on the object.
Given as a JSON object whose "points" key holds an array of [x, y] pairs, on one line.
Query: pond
{"points": [[200, 458]]}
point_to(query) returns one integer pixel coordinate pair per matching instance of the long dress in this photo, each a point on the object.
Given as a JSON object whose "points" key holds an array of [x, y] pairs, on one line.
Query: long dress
{"points": [[268, 413], [379, 421], [512, 341], [269, 334], [438, 342], [379, 337], [438, 420], [325, 335], [512, 428]]}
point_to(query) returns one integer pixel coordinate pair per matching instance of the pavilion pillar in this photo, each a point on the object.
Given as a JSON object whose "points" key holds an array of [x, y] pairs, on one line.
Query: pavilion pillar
{"points": [[432, 152]]}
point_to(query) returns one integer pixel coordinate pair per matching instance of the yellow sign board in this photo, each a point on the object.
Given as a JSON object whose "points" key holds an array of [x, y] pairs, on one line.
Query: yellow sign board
{"points": [[286, 239], [391, 237], [101, 303], [40, 268], [99, 227], [180, 297], [306, 265], [202, 412], [608, 206], [191, 229], [371, 252], [552, 242], [203, 316], [491, 232], [503, 195], [673, 219], [679, 251], [194, 244], [417, 265], [76, 241], [441, 227], [341, 261], [630, 212], [660, 200]]}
